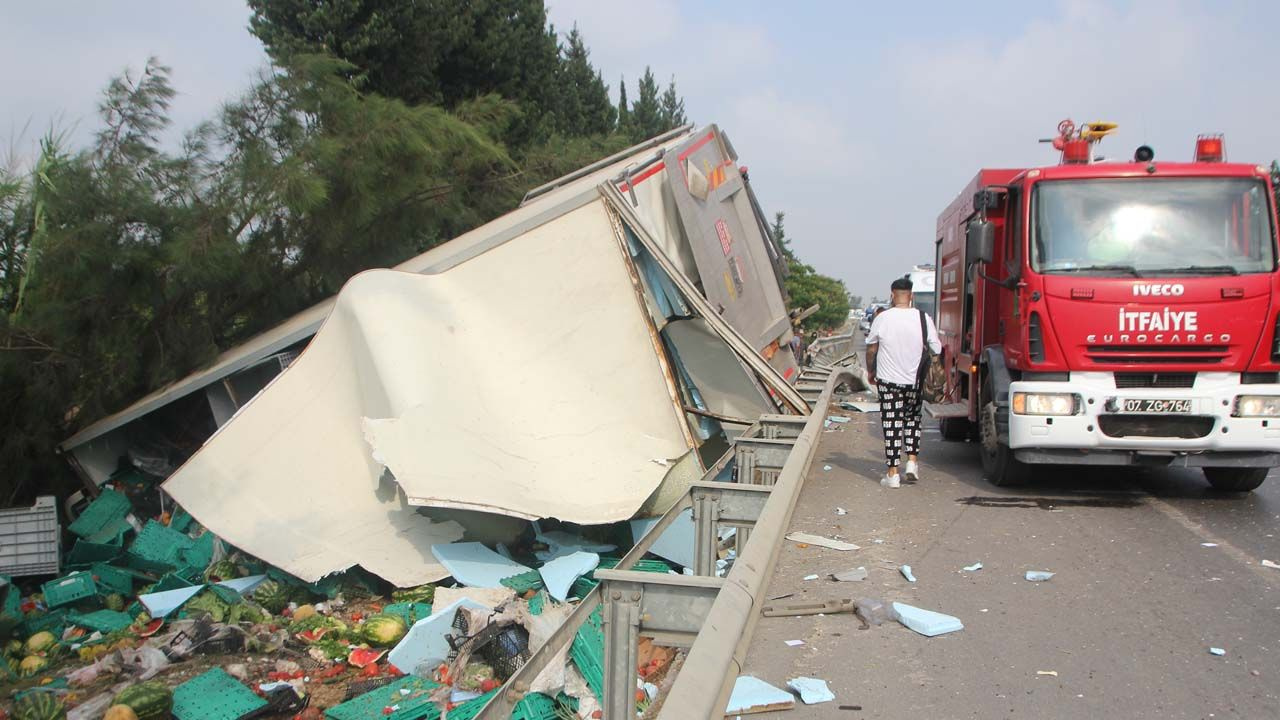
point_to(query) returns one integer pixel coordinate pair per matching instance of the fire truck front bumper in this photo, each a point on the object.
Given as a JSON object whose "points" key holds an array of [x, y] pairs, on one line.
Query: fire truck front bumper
{"points": [[1217, 421]]}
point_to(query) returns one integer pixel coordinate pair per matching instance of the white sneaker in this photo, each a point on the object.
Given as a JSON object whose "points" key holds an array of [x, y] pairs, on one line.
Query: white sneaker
{"points": [[913, 471], [890, 481]]}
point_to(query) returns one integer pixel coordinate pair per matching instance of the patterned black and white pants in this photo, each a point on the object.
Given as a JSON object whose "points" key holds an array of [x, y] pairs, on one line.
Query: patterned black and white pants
{"points": [[900, 419]]}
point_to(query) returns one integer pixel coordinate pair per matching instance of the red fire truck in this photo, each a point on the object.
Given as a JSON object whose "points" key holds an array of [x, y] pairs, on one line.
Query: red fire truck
{"points": [[1114, 313]]}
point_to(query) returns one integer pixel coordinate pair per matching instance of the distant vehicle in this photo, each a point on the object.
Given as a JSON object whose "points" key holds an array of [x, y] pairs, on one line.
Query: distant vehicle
{"points": [[870, 314], [924, 297]]}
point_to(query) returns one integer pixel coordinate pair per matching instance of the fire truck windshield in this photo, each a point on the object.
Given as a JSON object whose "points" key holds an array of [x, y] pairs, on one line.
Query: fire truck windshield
{"points": [[1146, 227]]}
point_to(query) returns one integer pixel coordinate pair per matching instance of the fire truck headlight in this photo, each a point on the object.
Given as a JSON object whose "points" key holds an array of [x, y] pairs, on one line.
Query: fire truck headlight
{"points": [[1257, 406], [1032, 403]]}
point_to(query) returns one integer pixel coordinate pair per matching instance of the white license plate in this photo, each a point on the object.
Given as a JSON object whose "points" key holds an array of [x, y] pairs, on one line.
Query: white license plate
{"points": [[1154, 406]]}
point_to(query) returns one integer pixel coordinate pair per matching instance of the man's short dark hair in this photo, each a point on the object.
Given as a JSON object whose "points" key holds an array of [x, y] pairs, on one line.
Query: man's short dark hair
{"points": [[902, 283]]}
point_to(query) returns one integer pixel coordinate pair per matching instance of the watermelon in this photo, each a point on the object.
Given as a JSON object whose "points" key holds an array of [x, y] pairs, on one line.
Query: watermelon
{"points": [[40, 642], [32, 665], [39, 706], [148, 700], [421, 594], [221, 570], [384, 630], [364, 657], [311, 636], [150, 627], [272, 596]]}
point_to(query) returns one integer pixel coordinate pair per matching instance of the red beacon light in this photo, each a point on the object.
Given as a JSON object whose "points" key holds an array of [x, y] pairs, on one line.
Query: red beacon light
{"points": [[1210, 148]]}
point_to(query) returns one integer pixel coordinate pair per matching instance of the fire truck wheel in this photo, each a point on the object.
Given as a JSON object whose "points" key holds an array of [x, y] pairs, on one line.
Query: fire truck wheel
{"points": [[1235, 479], [955, 428], [999, 465]]}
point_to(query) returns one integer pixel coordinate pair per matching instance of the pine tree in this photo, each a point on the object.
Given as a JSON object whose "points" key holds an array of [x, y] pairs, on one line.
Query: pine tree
{"points": [[646, 111], [672, 107], [585, 107], [624, 110]]}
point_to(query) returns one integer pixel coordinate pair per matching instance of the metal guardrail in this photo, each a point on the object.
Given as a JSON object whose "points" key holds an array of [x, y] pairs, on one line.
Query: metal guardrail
{"points": [[711, 616]]}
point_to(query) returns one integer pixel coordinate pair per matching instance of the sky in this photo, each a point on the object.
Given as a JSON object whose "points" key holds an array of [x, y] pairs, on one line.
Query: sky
{"points": [[861, 121]]}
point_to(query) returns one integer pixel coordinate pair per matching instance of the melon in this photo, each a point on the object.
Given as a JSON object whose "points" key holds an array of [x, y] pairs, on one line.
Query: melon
{"points": [[32, 665], [148, 700], [272, 596], [384, 630], [120, 712], [221, 570], [40, 642]]}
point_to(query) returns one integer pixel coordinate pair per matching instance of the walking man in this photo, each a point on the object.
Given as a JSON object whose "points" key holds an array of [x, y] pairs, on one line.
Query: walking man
{"points": [[895, 345]]}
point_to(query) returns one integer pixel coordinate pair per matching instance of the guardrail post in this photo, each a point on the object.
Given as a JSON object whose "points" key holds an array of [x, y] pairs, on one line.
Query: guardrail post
{"points": [[706, 539], [621, 650]]}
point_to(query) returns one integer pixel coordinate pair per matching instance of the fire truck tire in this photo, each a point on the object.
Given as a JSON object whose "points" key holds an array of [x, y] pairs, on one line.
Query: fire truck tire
{"points": [[1235, 479], [999, 465], [955, 428]]}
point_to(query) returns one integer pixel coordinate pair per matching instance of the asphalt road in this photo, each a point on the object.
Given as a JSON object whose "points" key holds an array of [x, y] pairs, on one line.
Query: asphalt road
{"points": [[1126, 623]]}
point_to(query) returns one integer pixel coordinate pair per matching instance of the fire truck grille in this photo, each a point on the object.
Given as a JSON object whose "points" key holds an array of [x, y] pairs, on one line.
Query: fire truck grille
{"points": [[1155, 380], [1164, 426], [1157, 354]]}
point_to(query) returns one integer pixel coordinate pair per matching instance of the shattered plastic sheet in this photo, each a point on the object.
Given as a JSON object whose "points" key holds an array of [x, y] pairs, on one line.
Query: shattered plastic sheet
{"points": [[523, 381]]}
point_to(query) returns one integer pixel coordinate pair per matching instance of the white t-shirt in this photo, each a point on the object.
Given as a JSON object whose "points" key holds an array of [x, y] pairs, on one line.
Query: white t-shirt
{"points": [[897, 331]]}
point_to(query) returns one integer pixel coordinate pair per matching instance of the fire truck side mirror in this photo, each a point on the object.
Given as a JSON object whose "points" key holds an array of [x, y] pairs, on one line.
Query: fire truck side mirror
{"points": [[980, 242]]}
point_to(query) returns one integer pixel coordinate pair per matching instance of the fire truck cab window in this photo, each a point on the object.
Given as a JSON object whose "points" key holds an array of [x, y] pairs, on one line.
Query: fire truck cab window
{"points": [[1152, 226]]}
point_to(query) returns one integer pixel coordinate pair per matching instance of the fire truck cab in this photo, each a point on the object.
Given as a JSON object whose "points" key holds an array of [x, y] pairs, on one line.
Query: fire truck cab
{"points": [[1113, 313]]}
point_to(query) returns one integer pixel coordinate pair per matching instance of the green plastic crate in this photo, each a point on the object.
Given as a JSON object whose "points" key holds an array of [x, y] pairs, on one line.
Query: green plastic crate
{"points": [[214, 695], [84, 553], [104, 519], [55, 621], [537, 602], [104, 621], [410, 612], [200, 554], [180, 520], [69, 589], [10, 597], [587, 652], [584, 584], [226, 594], [524, 582], [470, 708], [413, 706], [534, 706], [159, 544], [111, 579], [170, 582]]}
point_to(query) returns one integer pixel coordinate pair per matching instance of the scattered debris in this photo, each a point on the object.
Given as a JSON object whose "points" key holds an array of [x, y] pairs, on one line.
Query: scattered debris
{"points": [[841, 511], [1208, 544], [561, 573], [1039, 575], [1272, 565], [838, 419], [1050, 673], [857, 574], [872, 611], [826, 542], [820, 607], [906, 573], [926, 622], [793, 643], [811, 577], [811, 690], [1217, 651], [471, 563], [973, 568], [753, 695], [827, 468], [863, 407]]}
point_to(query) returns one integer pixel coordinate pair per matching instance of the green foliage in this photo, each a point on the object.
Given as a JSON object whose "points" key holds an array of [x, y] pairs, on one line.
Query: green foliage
{"points": [[646, 112], [384, 128], [806, 287]]}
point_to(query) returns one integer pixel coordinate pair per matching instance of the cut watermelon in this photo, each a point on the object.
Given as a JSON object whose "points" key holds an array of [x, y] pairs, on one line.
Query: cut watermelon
{"points": [[362, 657], [311, 636], [151, 628]]}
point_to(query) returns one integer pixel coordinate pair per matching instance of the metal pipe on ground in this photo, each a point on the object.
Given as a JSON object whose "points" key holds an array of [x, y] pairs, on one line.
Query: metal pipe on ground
{"points": [[716, 657]]}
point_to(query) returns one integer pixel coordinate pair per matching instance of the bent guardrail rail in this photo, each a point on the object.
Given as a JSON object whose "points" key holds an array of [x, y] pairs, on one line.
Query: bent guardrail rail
{"points": [[713, 617]]}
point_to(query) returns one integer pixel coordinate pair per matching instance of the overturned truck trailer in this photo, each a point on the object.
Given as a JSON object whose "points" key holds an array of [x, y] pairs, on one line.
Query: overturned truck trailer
{"points": [[583, 357]]}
